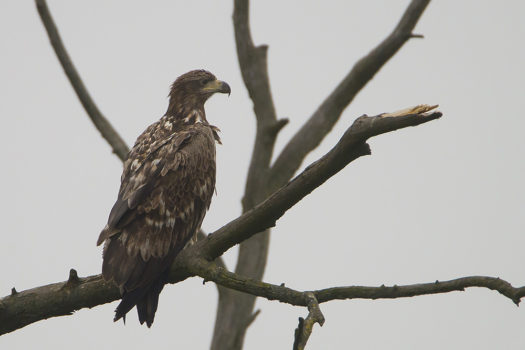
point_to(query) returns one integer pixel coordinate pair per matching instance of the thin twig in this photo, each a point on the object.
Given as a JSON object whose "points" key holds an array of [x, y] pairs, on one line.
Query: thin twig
{"points": [[212, 272], [101, 123], [306, 326]]}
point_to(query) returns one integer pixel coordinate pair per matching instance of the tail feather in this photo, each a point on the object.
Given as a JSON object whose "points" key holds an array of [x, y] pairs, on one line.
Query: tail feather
{"points": [[140, 281], [129, 300], [146, 299], [147, 306]]}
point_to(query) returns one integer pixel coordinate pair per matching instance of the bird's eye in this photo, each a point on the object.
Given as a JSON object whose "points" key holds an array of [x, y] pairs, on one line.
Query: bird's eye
{"points": [[204, 82]]}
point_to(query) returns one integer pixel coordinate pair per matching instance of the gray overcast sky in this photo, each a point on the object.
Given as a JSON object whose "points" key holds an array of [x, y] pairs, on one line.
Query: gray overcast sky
{"points": [[439, 201]]}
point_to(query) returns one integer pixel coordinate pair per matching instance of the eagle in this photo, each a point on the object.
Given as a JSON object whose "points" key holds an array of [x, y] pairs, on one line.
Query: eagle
{"points": [[166, 188]]}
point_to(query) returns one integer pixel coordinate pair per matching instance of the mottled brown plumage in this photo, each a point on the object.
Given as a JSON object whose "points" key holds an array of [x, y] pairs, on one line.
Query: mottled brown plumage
{"points": [[166, 188]]}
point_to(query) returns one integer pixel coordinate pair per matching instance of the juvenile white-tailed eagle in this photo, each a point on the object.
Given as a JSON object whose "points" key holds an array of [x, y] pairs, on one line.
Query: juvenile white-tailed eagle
{"points": [[166, 188]]}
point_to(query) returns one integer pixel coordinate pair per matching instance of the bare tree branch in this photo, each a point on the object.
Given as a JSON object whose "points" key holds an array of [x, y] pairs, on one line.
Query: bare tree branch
{"points": [[351, 146], [234, 311], [211, 272], [219, 260], [59, 299], [305, 327], [254, 70], [328, 113], [102, 124], [23, 308]]}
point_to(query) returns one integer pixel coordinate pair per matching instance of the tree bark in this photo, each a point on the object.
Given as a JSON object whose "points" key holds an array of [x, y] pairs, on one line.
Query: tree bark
{"points": [[59, 299], [234, 310]]}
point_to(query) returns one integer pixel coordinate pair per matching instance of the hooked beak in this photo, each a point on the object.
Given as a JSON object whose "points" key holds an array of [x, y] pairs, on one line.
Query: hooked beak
{"points": [[217, 86]]}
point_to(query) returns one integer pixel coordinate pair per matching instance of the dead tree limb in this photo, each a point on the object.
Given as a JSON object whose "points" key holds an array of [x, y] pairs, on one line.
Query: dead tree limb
{"points": [[350, 147], [60, 299], [102, 124], [234, 310], [26, 307], [328, 113], [305, 327], [252, 257], [287, 295]]}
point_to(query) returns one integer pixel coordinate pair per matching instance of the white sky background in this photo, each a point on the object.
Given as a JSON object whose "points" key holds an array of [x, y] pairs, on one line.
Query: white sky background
{"points": [[440, 201]]}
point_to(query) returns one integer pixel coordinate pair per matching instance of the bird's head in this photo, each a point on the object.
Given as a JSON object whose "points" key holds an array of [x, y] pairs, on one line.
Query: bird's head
{"points": [[191, 90]]}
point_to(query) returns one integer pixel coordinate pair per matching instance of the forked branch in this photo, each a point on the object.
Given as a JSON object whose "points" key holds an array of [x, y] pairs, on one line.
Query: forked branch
{"points": [[328, 113], [305, 327], [23, 308], [350, 147], [59, 299], [212, 272], [235, 310]]}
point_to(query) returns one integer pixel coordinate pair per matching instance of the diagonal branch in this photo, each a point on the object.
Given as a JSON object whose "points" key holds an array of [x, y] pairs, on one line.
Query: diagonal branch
{"points": [[350, 147], [328, 113], [101, 123], [234, 310], [59, 299], [219, 260]]}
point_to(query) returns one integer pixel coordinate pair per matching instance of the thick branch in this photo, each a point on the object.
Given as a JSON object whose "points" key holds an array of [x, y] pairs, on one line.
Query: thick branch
{"points": [[350, 147], [219, 260], [62, 299], [328, 113], [254, 70], [58, 299], [234, 311], [102, 124]]}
